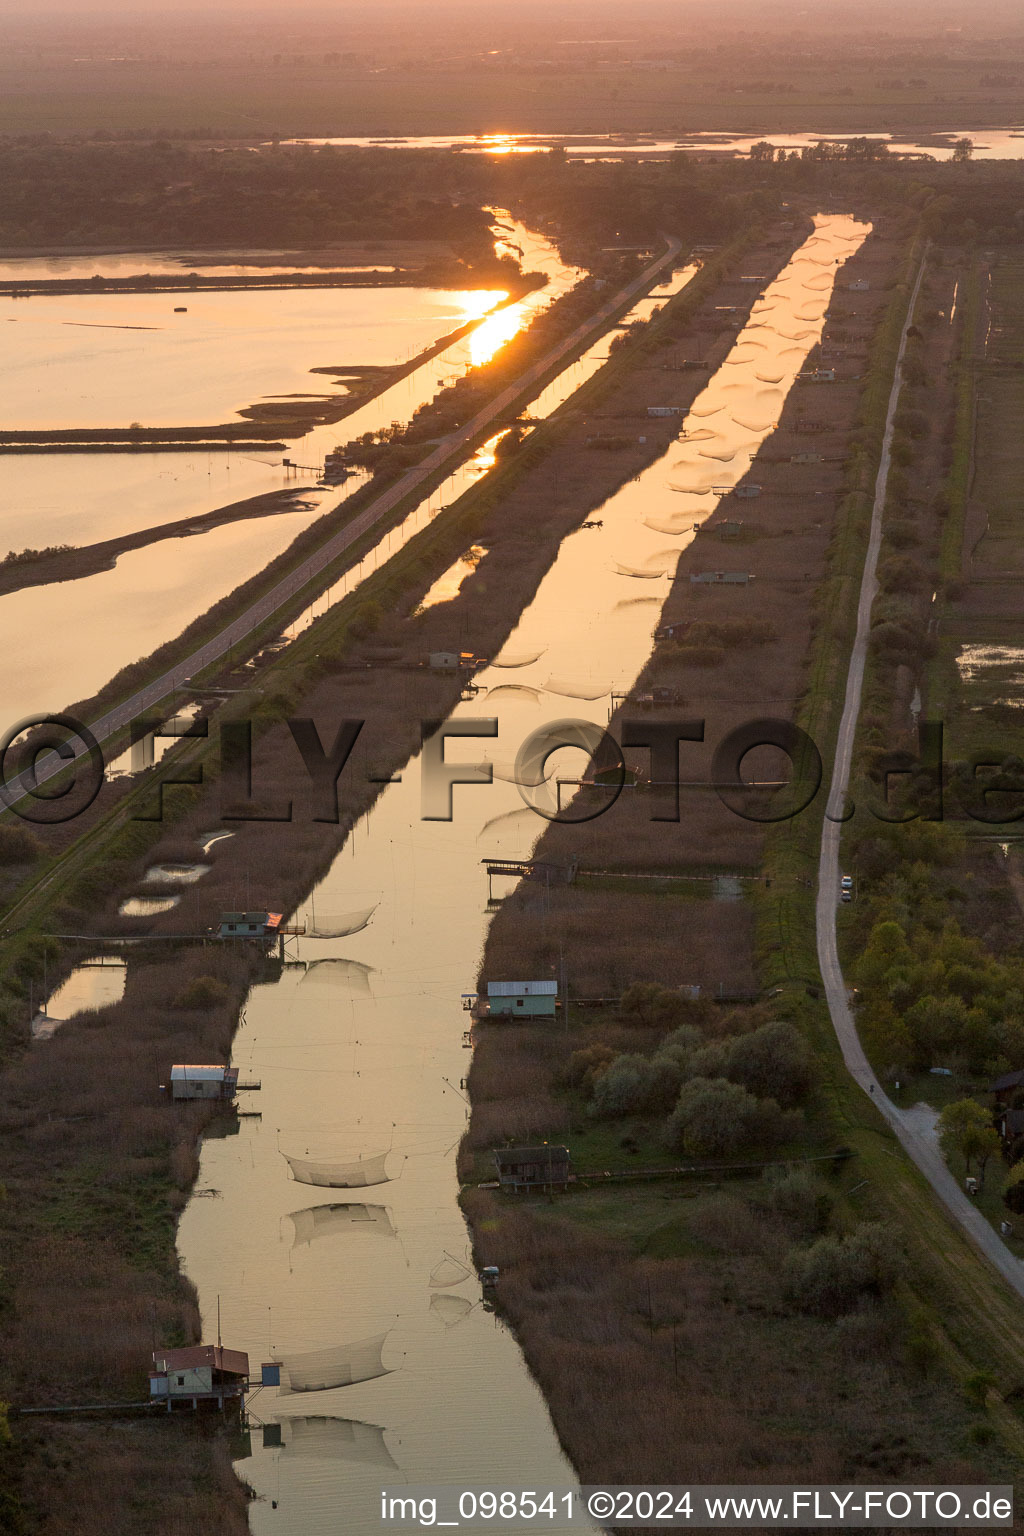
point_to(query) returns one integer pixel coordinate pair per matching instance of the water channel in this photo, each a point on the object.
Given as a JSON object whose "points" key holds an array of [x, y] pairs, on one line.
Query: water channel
{"points": [[359, 1045]]}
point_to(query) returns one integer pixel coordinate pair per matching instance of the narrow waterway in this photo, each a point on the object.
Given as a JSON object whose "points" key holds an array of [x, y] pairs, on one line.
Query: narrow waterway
{"points": [[359, 1045]]}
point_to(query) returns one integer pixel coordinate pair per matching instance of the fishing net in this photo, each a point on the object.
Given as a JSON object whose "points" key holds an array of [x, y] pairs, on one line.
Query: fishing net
{"points": [[355, 1175], [450, 1310], [748, 426], [338, 927], [574, 690], [623, 570], [508, 821], [517, 659], [684, 526], [318, 1370], [326, 1220], [514, 691], [330, 1439], [347, 977], [450, 1271]]}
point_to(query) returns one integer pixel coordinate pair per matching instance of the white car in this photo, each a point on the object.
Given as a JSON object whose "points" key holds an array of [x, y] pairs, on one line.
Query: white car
{"points": [[846, 883]]}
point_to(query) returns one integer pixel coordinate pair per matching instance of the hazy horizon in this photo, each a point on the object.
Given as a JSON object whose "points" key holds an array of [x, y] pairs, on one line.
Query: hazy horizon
{"points": [[669, 14]]}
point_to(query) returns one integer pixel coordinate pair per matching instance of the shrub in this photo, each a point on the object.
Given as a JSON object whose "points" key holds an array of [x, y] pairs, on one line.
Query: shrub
{"points": [[680, 1045], [900, 574], [700, 655], [648, 1004], [902, 533], [202, 992], [773, 1062], [636, 1085], [1013, 1190], [713, 1116], [18, 845], [797, 1197], [585, 1066], [829, 1278], [914, 423], [710, 1060]]}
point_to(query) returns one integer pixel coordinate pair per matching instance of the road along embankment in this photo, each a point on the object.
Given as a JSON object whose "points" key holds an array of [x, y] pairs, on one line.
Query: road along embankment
{"points": [[921, 1148]]}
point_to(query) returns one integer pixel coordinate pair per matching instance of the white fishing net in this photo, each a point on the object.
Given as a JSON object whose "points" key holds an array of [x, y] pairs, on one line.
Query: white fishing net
{"points": [[450, 1271], [677, 526], [755, 426], [514, 691], [354, 1175], [318, 1370], [450, 1310], [330, 1439], [346, 977], [327, 1220], [623, 570], [517, 659], [579, 690], [340, 926]]}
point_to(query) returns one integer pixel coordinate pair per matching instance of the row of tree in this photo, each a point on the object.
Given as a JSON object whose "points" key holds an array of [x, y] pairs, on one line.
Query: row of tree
{"points": [[717, 1093]]}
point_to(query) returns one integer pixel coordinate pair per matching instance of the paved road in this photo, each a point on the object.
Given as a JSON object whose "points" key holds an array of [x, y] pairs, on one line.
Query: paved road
{"points": [[450, 448], [913, 1133]]}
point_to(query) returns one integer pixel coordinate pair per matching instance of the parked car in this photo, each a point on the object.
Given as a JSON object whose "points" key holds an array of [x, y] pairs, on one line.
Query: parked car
{"points": [[846, 883]]}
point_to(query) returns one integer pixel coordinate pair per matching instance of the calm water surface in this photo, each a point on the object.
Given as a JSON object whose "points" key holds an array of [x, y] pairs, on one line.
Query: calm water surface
{"points": [[990, 143], [69, 639], [364, 1055], [107, 360]]}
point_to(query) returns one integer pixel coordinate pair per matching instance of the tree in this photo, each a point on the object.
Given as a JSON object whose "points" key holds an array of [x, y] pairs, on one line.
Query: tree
{"points": [[966, 1130], [963, 149], [636, 1085], [829, 1278], [772, 1061], [1013, 1189], [713, 1117], [708, 1116], [585, 1066]]}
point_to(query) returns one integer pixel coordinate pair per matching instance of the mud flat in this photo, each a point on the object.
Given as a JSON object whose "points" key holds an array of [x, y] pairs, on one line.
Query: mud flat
{"points": [[71, 564]]}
